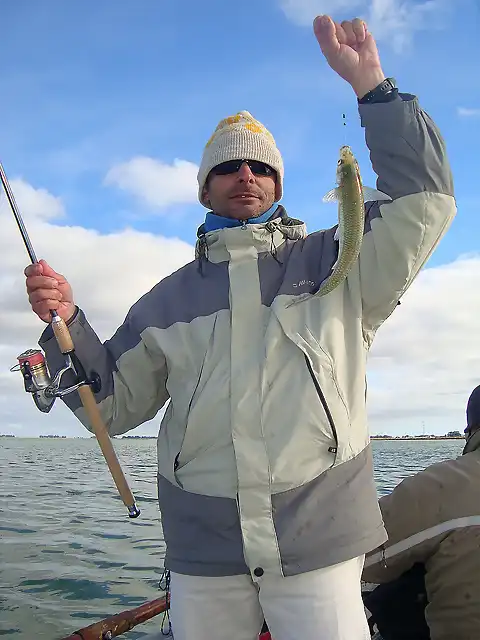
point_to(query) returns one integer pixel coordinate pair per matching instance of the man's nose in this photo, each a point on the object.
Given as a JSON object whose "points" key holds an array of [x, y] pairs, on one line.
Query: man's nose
{"points": [[244, 174]]}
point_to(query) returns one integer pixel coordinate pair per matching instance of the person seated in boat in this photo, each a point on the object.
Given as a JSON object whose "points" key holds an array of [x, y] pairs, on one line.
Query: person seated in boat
{"points": [[433, 524], [265, 473]]}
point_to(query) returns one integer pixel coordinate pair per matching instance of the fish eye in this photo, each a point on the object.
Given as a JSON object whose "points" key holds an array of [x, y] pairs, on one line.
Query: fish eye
{"points": [[340, 162]]}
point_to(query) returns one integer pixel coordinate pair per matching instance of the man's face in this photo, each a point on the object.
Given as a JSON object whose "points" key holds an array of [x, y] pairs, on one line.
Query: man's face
{"points": [[241, 194]]}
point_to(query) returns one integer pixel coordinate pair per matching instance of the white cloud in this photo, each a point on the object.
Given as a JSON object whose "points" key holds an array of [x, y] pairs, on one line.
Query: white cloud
{"points": [[155, 183], [302, 12], [392, 21], [423, 364], [108, 273], [34, 203], [426, 358], [465, 112]]}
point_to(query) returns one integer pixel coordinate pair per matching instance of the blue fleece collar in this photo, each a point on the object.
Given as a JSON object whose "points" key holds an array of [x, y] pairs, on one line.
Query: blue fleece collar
{"points": [[214, 222]]}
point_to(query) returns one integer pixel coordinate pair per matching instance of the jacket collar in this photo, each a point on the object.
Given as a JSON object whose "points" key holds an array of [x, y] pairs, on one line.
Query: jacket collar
{"points": [[263, 236], [473, 442]]}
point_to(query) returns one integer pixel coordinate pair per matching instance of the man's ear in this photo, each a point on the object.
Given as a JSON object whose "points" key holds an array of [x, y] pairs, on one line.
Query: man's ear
{"points": [[277, 192], [205, 198]]}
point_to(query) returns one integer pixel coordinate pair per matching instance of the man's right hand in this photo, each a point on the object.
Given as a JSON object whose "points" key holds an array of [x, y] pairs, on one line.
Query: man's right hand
{"points": [[47, 290]]}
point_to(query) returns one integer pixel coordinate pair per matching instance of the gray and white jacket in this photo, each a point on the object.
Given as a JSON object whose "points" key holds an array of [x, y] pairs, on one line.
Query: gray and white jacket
{"points": [[264, 461]]}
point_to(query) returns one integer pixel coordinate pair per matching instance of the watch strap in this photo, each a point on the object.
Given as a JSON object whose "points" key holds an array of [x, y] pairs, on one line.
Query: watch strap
{"points": [[385, 91]]}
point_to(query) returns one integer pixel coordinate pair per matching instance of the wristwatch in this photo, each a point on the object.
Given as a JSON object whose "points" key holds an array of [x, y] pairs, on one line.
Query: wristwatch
{"points": [[383, 92]]}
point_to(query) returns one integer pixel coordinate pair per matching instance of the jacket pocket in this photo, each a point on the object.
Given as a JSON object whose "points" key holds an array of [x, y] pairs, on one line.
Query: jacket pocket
{"points": [[321, 372], [323, 401], [179, 461], [331, 366]]}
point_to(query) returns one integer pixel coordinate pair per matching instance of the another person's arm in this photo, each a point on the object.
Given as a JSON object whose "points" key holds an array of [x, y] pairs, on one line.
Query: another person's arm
{"points": [[410, 513]]}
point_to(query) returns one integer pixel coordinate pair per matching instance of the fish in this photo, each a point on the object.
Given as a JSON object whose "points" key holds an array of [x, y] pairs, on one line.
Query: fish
{"points": [[351, 196]]}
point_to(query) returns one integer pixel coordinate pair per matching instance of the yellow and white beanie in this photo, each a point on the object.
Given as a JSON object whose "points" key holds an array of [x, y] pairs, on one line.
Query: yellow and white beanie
{"points": [[240, 137]]}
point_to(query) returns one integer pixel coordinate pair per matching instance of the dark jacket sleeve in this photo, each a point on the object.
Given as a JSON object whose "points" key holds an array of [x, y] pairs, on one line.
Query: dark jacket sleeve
{"points": [[410, 514]]}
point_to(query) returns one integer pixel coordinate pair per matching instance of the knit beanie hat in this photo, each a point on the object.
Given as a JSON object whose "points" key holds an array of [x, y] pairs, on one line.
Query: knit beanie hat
{"points": [[473, 421], [473, 409], [240, 137]]}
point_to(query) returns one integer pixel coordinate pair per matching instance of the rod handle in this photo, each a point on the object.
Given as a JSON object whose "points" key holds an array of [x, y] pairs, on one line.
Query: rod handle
{"points": [[62, 334], [98, 426]]}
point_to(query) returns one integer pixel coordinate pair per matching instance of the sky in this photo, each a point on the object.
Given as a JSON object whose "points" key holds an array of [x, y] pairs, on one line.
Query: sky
{"points": [[105, 110]]}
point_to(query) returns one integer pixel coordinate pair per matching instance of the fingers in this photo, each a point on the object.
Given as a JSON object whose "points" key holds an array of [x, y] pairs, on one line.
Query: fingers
{"points": [[41, 282], [43, 308], [42, 301], [359, 29], [325, 32], [33, 270], [41, 287], [42, 268], [48, 291], [331, 35], [354, 30], [48, 271], [43, 293], [349, 32], [43, 296], [340, 33]]}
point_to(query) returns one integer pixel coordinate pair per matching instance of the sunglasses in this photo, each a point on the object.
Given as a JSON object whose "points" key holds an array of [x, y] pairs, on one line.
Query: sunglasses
{"points": [[232, 166]]}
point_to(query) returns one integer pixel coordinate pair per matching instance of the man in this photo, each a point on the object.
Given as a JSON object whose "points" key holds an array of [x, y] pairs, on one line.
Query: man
{"points": [[265, 481], [433, 519]]}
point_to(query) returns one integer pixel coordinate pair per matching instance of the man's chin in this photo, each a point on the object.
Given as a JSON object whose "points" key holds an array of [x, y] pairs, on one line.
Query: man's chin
{"points": [[244, 211]]}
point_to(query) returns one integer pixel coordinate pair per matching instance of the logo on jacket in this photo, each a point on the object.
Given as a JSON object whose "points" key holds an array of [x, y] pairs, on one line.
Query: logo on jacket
{"points": [[302, 283]]}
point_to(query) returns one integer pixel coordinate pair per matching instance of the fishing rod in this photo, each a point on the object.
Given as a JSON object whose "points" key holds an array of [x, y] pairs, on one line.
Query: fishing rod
{"points": [[45, 389], [120, 623]]}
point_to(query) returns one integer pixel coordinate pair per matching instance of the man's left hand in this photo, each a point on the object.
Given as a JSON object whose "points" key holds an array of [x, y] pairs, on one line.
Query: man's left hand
{"points": [[351, 51]]}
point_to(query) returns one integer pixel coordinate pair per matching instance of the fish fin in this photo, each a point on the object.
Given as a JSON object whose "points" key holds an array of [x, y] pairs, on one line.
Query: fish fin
{"points": [[338, 237], [332, 195], [372, 195]]}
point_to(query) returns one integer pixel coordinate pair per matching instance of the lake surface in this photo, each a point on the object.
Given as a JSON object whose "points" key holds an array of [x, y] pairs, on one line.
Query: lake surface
{"points": [[69, 554]]}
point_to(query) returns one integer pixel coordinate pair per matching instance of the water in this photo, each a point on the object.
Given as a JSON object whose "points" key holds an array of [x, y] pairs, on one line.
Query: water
{"points": [[69, 554]]}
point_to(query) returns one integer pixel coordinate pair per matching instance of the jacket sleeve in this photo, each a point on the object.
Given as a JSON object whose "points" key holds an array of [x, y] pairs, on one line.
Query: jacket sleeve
{"points": [[409, 157], [410, 513], [131, 367]]}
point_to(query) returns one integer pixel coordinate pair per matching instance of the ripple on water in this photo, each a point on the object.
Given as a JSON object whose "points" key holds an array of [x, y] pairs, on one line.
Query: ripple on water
{"points": [[67, 588], [20, 530], [112, 536], [73, 556]]}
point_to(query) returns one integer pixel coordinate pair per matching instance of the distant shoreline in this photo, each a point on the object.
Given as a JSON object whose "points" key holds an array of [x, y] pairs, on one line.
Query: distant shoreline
{"points": [[423, 438], [387, 438]]}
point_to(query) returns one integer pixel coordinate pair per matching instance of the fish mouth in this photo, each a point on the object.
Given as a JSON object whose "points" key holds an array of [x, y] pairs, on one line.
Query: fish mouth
{"points": [[346, 153]]}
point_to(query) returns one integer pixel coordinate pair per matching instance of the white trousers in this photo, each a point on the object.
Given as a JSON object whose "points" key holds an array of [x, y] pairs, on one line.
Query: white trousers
{"points": [[325, 604]]}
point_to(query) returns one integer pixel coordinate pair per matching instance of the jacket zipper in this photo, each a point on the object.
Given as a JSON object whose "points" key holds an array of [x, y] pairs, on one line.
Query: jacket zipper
{"points": [[323, 400]]}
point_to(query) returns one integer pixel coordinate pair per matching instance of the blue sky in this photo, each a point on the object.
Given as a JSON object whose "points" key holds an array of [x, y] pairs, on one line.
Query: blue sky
{"points": [[90, 85]]}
